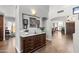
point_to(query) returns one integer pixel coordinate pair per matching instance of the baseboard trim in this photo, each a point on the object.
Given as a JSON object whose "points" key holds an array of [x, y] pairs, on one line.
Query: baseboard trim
{"points": [[17, 50], [48, 39]]}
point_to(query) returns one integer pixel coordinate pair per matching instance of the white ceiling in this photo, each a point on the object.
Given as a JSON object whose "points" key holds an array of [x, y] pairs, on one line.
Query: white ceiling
{"points": [[41, 10]]}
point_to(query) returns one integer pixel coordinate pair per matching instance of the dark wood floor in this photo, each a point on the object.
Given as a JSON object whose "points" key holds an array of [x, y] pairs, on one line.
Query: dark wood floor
{"points": [[59, 43], [7, 46]]}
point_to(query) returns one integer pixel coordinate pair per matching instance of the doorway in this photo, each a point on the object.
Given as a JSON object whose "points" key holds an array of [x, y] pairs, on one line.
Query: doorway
{"points": [[9, 27], [7, 45], [58, 26]]}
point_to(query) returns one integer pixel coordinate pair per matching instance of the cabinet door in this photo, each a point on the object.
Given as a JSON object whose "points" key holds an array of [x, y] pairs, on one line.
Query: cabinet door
{"points": [[28, 44], [35, 42], [43, 39]]}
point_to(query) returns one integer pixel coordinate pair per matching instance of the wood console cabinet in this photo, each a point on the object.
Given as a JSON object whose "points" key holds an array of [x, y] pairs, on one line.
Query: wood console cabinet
{"points": [[32, 43]]}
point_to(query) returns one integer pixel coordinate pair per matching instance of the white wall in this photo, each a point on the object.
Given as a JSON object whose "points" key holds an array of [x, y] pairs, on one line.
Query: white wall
{"points": [[76, 35], [8, 10], [17, 30], [41, 11], [67, 10]]}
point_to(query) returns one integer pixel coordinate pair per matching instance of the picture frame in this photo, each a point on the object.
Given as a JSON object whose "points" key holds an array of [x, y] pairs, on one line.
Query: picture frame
{"points": [[25, 21], [38, 23], [32, 22]]}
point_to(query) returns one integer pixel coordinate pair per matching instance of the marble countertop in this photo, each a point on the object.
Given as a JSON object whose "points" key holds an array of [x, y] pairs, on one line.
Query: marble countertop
{"points": [[26, 35]]}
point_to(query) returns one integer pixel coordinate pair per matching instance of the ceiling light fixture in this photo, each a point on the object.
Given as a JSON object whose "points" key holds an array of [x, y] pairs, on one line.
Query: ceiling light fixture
{"points": [[33, 12]]}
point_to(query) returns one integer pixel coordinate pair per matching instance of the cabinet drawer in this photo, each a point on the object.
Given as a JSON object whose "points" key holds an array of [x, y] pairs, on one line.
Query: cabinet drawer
{"points": [[28, 45]]}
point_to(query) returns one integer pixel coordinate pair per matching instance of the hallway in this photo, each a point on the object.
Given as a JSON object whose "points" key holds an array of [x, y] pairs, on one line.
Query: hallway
{"points": [[60, 44]]}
